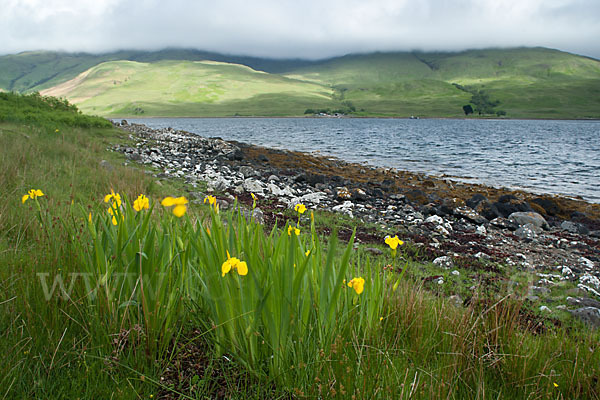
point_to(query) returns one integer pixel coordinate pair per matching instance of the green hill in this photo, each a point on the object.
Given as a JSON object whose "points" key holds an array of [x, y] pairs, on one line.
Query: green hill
{"points": [[188, 88], [521, 82], [537, 82]]}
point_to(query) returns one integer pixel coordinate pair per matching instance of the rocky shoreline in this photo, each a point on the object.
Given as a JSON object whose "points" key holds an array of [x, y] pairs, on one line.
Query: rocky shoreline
{"points": [[554, 240]]}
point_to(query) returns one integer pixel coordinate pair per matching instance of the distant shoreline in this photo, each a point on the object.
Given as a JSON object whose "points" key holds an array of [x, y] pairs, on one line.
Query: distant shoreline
{"points": [[353, 117]]}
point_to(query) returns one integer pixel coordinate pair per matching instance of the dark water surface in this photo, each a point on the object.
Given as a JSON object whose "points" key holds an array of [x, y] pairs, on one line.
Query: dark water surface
{"points": [[561, 157]]}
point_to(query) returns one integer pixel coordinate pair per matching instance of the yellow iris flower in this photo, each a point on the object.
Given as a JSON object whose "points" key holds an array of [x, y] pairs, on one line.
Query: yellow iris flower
{"points": [[358, 284], [393, 242], [141, 203], [32, 194], [234, 263], [178, 202], [292, 229], [114, 197], [300, 208]]}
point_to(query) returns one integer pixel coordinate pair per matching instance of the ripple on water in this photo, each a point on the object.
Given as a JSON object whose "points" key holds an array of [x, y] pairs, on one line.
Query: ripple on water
{"points": [[560, 157]]}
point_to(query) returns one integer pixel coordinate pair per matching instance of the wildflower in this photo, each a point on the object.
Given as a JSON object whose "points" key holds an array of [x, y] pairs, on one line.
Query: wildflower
{"points": [[114, 217], [32, 194], [555, 384], [358, 284], [212, 200], [90, 217], [115, 197], [178, 202], [253, 200], [380, 319], [56, 130], [141, 203], [300, 208], [295, 230], [307, 253], [393, 242], [234, 263]]}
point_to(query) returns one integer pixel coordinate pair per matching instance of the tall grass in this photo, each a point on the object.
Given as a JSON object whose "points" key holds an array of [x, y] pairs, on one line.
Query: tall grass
{"points": [[90, 309]]}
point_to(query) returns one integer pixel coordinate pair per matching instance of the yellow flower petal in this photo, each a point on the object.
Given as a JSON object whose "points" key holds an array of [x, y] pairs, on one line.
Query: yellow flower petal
{"points": [[179, 211], [38, 193], [212, 200], [225, 268], [393, 242], [180, 201], [141, 203], [168, 202], [242, 268], [300, 208], [358, 284], [24, 198]]}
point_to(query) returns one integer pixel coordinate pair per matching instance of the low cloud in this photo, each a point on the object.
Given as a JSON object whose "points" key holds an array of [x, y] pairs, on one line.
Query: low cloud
{"points": [[308, 29]]}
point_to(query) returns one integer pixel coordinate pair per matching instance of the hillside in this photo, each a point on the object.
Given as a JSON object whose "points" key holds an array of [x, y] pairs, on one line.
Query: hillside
{"points": [[522, 82], [187, 88]]}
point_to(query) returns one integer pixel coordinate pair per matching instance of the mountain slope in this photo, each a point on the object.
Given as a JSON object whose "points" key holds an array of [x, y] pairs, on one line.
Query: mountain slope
{"points": [[528, 82], [521, 82], [187, 88], [39, 70]]}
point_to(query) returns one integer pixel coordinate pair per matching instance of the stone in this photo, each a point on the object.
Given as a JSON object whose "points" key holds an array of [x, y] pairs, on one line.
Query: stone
{"points": [[527, 232], [374, 251], [417, 196], [343, 193], [480, 230], [503, 223], [444, 262], [583, 302], [247, 171], [275, 190], [345, 208], [470, 214], [524, 218], [475, 200], [574, 227], [545, 309], [313, 198], [253, 186], [359, 194], [236, 155], [548, 205], [435, 219], [588, 315]]}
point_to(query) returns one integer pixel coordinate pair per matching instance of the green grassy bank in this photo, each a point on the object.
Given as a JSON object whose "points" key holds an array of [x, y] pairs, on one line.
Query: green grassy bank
{"points": [[285, 324]]}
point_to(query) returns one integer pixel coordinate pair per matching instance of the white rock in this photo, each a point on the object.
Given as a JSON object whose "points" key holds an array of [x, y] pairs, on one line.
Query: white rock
{"points": [[444, 262], [314, 198], [253, 186], [545, 309], [435, 219]]}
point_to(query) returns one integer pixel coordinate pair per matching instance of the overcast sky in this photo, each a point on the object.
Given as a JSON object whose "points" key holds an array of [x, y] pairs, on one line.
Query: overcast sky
{"points": [[305, 29]]}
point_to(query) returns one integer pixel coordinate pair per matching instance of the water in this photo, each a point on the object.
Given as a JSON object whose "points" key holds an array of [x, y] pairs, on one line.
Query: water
{"points": [[561, 157]]}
